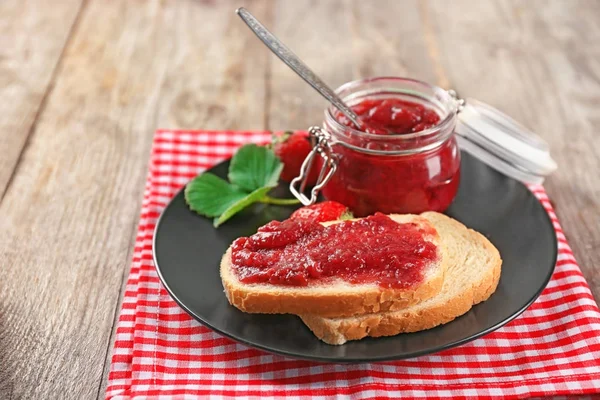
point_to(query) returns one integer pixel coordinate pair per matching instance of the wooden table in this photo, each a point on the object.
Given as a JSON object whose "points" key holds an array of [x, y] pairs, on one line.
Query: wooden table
{"points": [[84, 84]]}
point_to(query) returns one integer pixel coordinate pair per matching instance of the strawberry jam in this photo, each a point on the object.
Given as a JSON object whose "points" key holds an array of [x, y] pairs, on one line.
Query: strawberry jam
{"points": [[404, 158], [392, 116], [300, 252], [368, 183]]}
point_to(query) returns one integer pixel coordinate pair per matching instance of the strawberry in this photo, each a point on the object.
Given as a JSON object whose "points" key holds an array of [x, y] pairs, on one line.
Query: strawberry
{"points": [[322, 212], [292, 149]]}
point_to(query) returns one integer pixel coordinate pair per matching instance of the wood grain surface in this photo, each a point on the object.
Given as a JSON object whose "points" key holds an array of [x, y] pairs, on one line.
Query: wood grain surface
{"points": [[32, 40], [85, 83]]}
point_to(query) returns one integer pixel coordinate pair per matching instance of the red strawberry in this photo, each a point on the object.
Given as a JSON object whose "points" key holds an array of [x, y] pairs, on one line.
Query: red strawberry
{"points": [[322, 212], [292, 149]]}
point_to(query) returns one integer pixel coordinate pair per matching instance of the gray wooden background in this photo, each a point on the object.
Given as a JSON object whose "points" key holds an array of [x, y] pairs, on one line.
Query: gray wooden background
{"points": [[83, 85]]}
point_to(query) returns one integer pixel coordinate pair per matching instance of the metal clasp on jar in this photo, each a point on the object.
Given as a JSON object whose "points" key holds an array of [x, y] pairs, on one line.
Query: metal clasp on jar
{"points": [[321, 148]]}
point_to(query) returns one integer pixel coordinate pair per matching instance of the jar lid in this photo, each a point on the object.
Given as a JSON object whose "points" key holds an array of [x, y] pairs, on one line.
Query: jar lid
{"points": [[502, 143]]}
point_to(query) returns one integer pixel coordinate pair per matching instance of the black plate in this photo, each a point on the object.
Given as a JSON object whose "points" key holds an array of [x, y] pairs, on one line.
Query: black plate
{"points": [[187, 252]]}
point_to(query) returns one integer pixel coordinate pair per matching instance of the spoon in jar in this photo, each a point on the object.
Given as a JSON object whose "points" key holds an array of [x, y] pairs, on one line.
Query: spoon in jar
{"points": [[292, 61]]}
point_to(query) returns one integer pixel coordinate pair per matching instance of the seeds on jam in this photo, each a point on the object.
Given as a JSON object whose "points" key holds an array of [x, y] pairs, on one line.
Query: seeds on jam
{"points": [[300, 252]]}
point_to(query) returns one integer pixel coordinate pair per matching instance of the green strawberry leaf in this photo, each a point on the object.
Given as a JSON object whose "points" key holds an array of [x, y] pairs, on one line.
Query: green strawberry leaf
{"points": [[242, 203], [210, 195], [253, 172], [346, 215], [254, 167]]}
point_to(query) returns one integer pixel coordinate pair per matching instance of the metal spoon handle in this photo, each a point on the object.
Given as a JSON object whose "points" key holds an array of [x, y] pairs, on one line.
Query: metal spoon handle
{"points": [[288, 57]]}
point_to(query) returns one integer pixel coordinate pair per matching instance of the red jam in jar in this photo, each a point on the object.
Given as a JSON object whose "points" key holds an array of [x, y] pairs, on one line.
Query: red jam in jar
{"points": [[392, 116], [405, 158], [300, 252]]}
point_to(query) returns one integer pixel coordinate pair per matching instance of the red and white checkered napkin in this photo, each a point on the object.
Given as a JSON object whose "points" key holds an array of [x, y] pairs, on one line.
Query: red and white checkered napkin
{"points": [[160, 352]]}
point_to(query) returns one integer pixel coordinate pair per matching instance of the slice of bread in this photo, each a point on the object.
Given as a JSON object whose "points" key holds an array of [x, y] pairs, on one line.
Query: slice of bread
{"points": [[334, 298], [472, 275]]}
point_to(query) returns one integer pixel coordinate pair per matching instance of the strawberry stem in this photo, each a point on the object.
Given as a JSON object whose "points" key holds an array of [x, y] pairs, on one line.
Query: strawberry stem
{"points": [[279, 202]]}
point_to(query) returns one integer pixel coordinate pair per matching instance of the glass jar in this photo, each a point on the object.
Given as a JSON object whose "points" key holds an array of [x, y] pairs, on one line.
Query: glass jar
{"points": [[389, 173]]}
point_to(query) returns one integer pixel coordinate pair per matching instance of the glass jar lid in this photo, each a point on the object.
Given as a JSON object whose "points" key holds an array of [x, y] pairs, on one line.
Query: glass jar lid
{"points": [[502, 143]]}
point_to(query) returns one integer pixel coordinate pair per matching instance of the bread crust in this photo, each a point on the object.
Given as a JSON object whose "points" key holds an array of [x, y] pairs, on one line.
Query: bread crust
{"points": [[338, 331], [325, 302]]}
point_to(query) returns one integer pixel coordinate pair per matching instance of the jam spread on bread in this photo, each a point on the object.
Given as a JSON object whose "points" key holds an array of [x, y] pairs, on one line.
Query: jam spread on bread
{"points": [[301, 252]]}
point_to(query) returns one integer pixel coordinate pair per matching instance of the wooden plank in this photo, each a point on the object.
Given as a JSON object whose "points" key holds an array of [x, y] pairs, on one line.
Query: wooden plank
{"points": [[537, 61], [342, 41], [319, 33], [31, 42], [70, 213], [216, 74], [390, 41]]}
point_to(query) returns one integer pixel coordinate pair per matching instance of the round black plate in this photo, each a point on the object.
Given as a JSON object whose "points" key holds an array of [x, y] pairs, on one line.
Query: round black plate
{"points": [[187, 252]]}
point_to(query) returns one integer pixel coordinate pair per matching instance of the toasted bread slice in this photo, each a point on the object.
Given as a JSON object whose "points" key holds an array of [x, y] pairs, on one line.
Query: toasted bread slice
{"points": [[472, 275], [334, 298]]}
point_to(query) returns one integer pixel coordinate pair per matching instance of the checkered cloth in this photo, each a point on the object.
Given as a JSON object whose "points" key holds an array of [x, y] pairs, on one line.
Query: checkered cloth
{"points": [[160, 352]]}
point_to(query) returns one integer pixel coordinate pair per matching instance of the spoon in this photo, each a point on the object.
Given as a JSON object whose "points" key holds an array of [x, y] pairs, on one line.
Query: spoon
{"points": [[292, 61]]}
